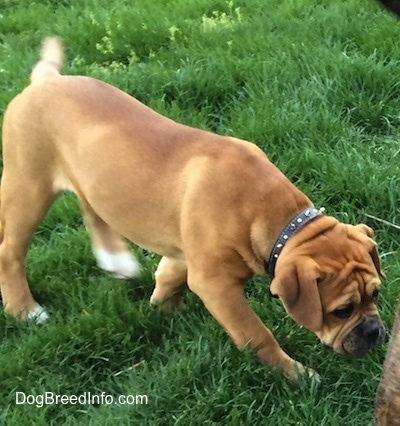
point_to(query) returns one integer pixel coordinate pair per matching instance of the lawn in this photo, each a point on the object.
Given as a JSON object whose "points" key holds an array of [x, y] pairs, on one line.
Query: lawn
{"points": [[316, 85]]}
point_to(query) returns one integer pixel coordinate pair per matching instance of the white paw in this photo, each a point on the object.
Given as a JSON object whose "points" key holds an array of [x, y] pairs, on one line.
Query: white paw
{"points": [[38, 315], [121, 265], [314, 376]]}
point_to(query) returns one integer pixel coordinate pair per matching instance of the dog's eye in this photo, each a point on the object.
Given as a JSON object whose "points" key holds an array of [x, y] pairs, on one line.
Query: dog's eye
{"points": [[344, 312], [375, 296]]}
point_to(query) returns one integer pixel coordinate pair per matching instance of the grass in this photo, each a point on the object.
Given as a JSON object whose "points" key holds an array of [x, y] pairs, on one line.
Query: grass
{"points": [[315, 84]]}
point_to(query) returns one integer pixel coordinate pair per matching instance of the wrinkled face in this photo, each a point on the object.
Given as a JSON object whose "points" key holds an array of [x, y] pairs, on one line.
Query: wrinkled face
{"points": [[328, 279], [351, 323]]}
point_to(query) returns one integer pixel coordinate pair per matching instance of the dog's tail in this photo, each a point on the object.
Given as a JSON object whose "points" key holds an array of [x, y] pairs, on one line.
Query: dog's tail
{"points": [[51, 59]]}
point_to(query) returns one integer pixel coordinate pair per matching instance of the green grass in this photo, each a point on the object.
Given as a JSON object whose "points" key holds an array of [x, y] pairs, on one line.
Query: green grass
{"points": [[315, 84]]}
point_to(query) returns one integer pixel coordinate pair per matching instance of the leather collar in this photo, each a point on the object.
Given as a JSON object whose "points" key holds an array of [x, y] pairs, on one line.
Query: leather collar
{"points": [[298, 222]]}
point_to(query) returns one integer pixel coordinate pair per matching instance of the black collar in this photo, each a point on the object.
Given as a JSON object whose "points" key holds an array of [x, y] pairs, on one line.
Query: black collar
{"points": [[289, 230]]}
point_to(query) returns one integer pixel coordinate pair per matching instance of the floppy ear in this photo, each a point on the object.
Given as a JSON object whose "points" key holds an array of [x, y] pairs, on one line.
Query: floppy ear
{"points": [[366, 230], [296, 285]]}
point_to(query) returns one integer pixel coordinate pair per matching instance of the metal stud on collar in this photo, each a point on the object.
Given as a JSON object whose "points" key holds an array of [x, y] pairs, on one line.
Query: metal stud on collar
{"points": [[289, 230]]}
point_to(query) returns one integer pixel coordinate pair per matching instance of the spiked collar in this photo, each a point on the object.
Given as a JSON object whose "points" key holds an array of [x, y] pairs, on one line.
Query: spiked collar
{"points": [[295, 224]]}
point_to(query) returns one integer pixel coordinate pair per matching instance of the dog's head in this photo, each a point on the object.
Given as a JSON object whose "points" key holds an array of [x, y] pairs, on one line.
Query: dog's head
{"points": [[329, 280]]}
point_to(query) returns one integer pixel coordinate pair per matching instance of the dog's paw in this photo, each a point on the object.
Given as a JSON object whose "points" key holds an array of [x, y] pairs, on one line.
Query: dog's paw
{"points": [[297, 371], [173, 302], [313, 375], [38, 315], [120, 265]]}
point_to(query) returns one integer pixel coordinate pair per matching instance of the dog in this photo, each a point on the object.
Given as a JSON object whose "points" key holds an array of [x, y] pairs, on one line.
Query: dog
{"points": [[214, 207], [387, 411]]}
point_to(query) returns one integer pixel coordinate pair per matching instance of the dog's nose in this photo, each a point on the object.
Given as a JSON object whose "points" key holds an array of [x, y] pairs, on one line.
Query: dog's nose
{"points": [[372, 331]]}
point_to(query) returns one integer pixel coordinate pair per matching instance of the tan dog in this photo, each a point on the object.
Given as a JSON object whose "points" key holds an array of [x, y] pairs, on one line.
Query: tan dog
{"points": [[387, 411], [214, 207]]}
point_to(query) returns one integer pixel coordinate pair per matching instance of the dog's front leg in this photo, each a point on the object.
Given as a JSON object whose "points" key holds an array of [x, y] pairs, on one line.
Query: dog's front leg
{"points": [[224, 298]]}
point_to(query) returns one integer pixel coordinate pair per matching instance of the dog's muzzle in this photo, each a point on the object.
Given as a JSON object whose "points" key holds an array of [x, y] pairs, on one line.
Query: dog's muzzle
{"points": [[369, 333]]}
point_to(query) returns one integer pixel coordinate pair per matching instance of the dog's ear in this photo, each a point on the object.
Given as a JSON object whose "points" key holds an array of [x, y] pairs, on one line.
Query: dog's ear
{"points": [[296, 285], [366, 230]]}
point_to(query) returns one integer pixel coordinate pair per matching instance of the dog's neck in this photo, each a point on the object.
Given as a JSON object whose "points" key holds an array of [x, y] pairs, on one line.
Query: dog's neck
{"points": [[294, 225]]}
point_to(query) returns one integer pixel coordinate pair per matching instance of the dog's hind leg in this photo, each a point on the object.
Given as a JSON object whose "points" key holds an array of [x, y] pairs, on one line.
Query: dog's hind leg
{"points": [[24, 203], [111, 252]]}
